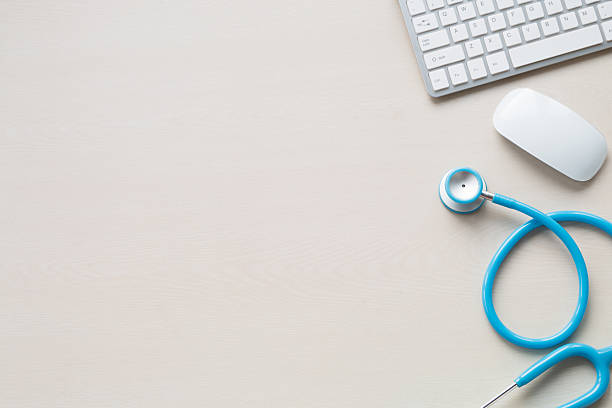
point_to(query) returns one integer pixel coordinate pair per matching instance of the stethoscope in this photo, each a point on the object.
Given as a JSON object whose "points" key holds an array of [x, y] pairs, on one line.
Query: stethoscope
{"points": [[463, 191]]}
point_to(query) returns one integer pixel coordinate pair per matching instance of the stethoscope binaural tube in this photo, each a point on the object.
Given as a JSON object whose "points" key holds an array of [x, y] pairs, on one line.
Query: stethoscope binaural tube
{"points": [[454, 181]]}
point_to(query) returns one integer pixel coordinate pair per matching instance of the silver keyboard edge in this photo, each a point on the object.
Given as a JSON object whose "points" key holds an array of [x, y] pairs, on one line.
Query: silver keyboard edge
{"points": [[490, 78]]}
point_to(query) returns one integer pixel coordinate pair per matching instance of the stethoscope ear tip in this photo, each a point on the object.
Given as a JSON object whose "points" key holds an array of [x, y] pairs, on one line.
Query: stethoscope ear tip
{"points": [[461, 189]]}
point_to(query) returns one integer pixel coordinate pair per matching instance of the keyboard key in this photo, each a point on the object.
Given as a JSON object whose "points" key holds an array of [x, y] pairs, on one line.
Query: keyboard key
{"points": [[444, 56], [497, 22], [572, 4], [550, 26], [451, 2], [447, 16], [415, 7], [534, 11], [493, 42], [607, 29], [474, 48], [477, 68], [553, 7], [425, 23], [590, 1], [555, 46], [438, 79], [466, 11], [478, 27], [504, 4], [605, 10], [485, 7], [512, 37], [519, 2], [459, 33], [515, 16], [569, 20], [587, 15], [435, 4], [433, 40], [497, 62], [531, 32], [457, 74]]}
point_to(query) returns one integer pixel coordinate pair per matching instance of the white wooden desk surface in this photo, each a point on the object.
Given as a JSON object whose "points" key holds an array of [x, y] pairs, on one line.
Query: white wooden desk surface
{"points": [[234, 204]]}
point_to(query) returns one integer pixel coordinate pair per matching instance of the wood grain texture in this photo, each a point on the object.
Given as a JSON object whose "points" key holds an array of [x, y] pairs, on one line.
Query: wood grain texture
{"points": [[217, 204]]}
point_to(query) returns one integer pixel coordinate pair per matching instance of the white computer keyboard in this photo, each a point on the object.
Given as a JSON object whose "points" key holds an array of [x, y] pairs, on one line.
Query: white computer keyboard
{"points": [[461, 44]]}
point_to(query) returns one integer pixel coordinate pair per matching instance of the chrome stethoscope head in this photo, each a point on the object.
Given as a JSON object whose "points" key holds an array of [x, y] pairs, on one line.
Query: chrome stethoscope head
{"points": [[463, 190]]}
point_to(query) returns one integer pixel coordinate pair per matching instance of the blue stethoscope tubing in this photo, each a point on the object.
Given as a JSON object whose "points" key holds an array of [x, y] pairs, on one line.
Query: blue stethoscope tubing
{"points": [[601, 359], [463, 191], [551, 221]]}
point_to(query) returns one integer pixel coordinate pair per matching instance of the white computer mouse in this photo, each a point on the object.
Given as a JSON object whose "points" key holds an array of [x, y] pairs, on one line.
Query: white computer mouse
{"points": [[552, 133]]}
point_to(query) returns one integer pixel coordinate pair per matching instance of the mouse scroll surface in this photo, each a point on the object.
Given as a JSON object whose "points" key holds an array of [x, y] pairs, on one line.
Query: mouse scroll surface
{"points": [[552, 133]]}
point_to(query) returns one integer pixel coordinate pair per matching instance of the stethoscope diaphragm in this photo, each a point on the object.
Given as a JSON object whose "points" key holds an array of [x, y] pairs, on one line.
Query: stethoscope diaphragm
{"points": [[461, 189]]}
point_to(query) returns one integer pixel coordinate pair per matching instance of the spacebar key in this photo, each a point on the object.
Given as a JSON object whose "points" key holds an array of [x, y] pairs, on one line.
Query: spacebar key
{"points": [[555, 46]]}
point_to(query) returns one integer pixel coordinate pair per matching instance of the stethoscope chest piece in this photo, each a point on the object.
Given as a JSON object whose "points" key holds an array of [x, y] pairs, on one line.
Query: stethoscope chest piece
{"points": [[461, 189]]}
